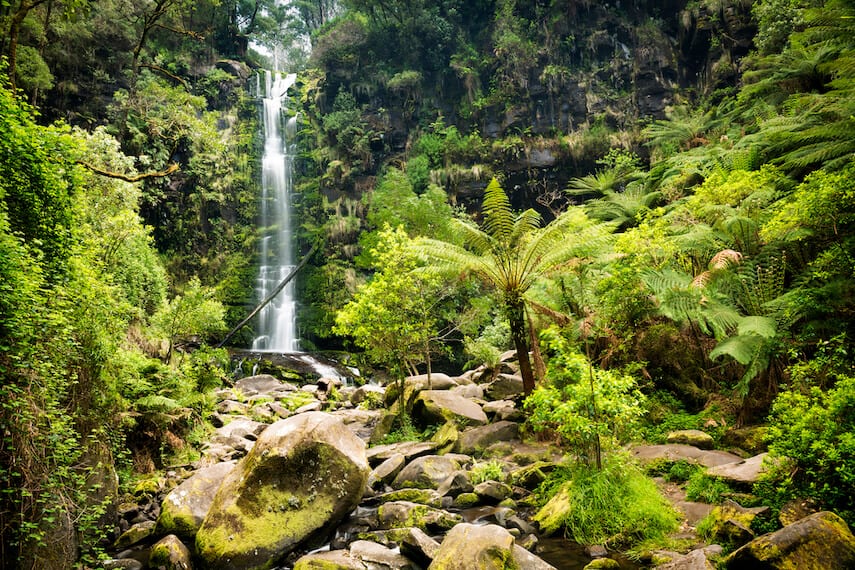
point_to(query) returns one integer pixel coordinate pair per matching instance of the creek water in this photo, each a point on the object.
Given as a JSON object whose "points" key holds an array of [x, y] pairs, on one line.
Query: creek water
{"points": [[277, 321]]}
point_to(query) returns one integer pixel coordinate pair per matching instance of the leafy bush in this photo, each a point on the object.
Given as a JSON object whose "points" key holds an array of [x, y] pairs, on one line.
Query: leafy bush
{"points": [[582, 404], [812, 434], [615, 505], [490, 471]]}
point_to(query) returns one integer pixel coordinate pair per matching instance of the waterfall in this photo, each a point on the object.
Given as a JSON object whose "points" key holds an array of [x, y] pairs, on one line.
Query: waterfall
{"points": [[277, 326]]}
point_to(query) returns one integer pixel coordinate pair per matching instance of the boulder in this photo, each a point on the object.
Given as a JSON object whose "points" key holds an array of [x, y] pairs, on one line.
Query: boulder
{"points": [[415, 384], [386, 471], [487, 547], [602, 564], [418, 546], [745, 472], [503, 410], [427, 497], [696, 437], [409, 449], [440, 406], [332, 560], [677, 452], [261, 384], [456, 483], [493, 491], [446, 437], [427, 472], [471, 391], [405, 514], [185, 507], [379, 557], [474, 441], [694, 560], [136, 534], [821, 540], [169, 553], [304, 475], [505, 387]]}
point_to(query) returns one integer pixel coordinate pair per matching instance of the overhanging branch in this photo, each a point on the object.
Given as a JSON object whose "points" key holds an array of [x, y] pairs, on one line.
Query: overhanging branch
{"points": [[128, 178]]}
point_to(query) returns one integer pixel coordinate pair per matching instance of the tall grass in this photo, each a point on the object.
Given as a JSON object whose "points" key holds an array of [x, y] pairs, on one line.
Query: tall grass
{"points": [[616, 505]]}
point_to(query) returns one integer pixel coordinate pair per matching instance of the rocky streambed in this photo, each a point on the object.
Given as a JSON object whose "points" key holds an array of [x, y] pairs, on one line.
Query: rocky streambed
{"points": [[297, 477]]}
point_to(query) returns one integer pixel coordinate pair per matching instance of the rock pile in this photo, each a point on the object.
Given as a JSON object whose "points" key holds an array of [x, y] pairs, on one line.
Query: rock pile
{"points": [[299, 477]]}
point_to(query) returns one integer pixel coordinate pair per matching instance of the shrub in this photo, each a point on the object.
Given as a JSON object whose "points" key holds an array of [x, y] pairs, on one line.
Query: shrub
{"points": [[490, 471], [583, 404], [615, 505], [812, 433]]}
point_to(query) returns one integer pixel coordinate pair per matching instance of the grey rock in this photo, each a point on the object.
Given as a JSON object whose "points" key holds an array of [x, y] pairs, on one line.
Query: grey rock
{"points": [[475, 440], [746, 472]]}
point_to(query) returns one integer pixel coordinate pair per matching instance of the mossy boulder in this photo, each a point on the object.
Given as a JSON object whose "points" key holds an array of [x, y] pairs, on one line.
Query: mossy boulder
{"points": [[696, 437], [185, 507], [427, 472], [303, 476], [415, 384], [816, 542], [486, 547], [169, 553], [404, 514], [136, 534], [603, 564], [440, 406], [475, 440]]}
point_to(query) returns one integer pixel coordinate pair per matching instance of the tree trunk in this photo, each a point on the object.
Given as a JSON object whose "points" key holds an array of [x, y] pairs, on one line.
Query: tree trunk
{"points": [[516, 320]]}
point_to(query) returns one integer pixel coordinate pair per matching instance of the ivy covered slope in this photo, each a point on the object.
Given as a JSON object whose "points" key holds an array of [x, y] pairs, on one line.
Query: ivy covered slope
{"points": [[713, 141]]}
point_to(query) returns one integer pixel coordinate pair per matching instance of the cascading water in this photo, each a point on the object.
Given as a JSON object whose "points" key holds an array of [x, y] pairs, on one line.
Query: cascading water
{"points": [[277, 326]]}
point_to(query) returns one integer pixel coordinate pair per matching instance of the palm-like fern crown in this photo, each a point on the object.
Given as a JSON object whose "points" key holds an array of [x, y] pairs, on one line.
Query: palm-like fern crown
{"points": [[511, 249]]}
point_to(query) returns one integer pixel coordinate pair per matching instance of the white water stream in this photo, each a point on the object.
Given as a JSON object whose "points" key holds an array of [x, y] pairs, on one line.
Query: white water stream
{"points": [[277, 325]]}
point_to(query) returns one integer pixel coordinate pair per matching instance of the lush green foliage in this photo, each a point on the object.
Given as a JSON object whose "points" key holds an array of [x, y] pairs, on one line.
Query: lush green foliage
{"points": [[811, 435], [615, 505], [581, 404], [394, 316]]}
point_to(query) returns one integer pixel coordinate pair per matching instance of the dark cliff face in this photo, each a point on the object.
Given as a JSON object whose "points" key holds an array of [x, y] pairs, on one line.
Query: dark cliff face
{"points": [[547, 71]]}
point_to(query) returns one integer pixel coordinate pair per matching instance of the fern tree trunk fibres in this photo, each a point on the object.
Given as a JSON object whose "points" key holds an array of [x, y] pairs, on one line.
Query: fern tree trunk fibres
{"points": [[515, 310]]}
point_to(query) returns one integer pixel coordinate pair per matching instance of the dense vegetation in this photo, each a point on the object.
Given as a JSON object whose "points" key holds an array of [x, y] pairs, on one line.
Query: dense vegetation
{"points": [[701, 153]]}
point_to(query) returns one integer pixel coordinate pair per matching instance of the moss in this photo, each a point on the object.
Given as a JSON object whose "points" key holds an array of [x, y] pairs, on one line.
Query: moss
{"points": [[172, 522], [464, 500], [602, 563], [422, 496], [446, 437], [261, 520]]}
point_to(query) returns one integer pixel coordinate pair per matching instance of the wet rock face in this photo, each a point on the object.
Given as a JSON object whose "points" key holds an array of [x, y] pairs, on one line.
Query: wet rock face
{"points": [[304, 475]]}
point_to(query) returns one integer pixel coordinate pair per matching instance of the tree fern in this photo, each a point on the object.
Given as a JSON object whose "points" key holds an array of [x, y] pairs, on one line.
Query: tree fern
{"points": [[510, 252]]}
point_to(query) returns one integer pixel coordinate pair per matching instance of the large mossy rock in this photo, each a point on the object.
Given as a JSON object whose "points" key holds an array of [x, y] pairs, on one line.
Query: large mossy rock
{"points": [[441, 406], [304, 475], [816, 542], [185, 507]]}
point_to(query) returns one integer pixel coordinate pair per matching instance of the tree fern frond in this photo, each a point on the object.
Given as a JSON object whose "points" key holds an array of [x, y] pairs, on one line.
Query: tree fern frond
{"points": [[755, 325], [472, 236], [526, 222], [498, 214], [741, 348]]}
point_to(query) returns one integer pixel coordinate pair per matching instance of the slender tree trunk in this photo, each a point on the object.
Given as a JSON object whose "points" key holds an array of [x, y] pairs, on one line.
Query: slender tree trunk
{"points": [[516, 320]]}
